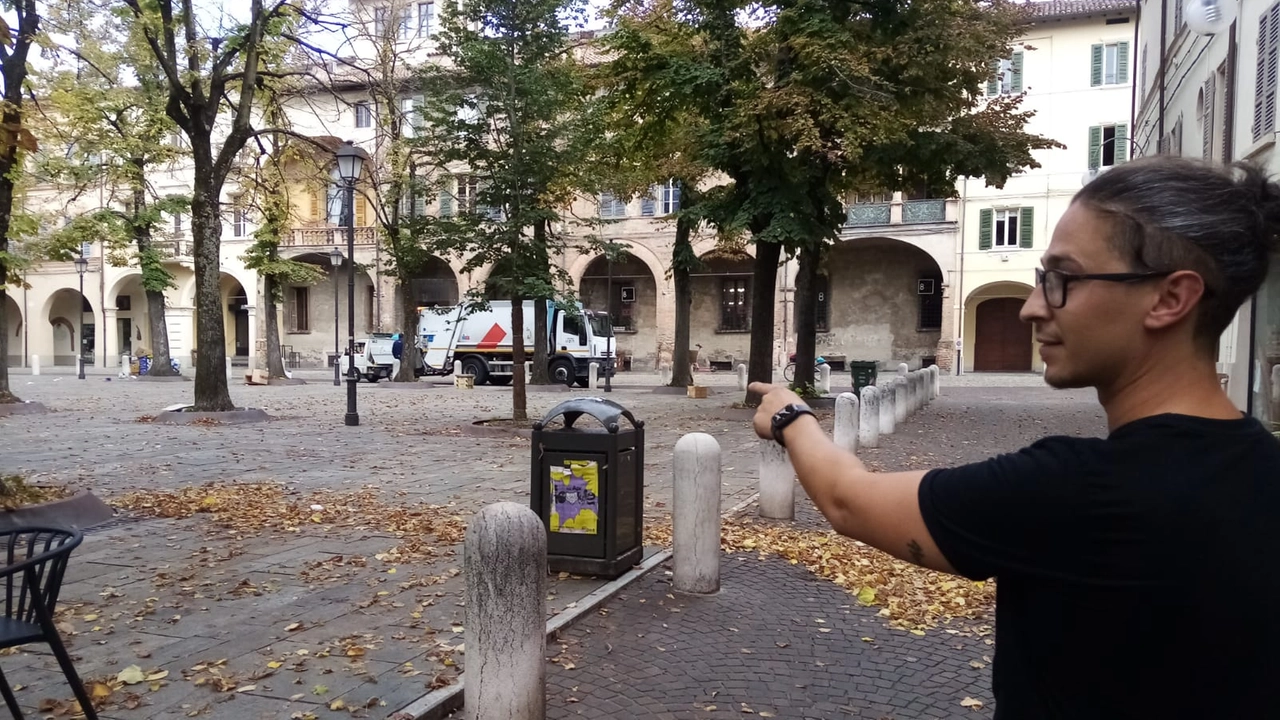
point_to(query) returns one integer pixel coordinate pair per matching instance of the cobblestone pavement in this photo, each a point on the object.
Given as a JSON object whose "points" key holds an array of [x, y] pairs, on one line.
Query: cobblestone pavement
{"points": [[177, 594], [779, 642]]}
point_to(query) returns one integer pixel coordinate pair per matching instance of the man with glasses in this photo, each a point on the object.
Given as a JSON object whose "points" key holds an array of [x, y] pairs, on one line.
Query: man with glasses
{"points": [[1138, 575]]}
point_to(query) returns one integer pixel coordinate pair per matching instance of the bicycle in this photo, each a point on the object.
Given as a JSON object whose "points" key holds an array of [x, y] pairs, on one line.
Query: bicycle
{"points": [[789, 372]]}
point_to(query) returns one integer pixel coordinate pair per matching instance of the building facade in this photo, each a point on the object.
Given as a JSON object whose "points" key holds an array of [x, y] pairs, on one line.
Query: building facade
{"points": [[1213, 96]]}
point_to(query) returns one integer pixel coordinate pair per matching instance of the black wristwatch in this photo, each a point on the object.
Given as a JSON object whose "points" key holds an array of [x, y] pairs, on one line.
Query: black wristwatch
{"points": [[786, 416]]}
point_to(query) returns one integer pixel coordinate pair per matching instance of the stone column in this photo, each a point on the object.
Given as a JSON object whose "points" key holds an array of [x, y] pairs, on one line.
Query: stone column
{"points": [[505, 561], [869, 418], [111, 337], [888, 408], [846, 427], [696, 521], [777, 482], [253, 338]]}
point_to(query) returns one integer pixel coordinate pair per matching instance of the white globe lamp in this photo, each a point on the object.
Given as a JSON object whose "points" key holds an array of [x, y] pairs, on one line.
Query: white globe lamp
{"points": [[1209, 17]]}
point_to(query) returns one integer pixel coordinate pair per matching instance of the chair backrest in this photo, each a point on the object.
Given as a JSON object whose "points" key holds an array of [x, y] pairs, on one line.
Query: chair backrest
{"points": [[35, 563]]}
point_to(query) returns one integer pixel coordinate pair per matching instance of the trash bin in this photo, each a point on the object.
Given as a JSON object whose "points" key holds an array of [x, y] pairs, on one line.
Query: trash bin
{"points": [[588, 487], [864, 374]]}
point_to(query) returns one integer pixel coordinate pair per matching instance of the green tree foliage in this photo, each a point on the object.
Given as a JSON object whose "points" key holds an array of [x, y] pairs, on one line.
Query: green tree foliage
{"points": [[800, 103], [507, 114]]}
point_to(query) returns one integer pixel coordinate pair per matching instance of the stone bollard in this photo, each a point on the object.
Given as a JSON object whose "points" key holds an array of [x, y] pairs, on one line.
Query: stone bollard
{"points": [[528, 370], [124, 366], [937, 381], [846, 429], [230, 373], [505, 563], [901, 401], [888, 408], [913, 393], [824, 379], [696, 525], [777, 482], [593, 375], [664, 374], [457, 367], [35, 364], [903, 369], [742, 377], [869, 418]]}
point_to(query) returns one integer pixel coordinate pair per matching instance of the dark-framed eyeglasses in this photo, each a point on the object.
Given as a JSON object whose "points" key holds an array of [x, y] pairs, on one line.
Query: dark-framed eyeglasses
{"points": [[1053, 283]]}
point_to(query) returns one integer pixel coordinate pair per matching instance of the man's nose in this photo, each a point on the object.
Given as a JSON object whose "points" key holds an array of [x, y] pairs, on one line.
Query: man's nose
{"points": [[1035, 308]]}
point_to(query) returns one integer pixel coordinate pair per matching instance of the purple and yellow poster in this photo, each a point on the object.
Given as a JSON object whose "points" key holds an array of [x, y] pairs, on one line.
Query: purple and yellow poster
{"points": [[575, 497]]}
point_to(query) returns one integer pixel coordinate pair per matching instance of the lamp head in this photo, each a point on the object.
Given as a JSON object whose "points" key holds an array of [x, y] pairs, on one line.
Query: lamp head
{"points": [[82, 265], [335, 257], [1209, 17], [350, 159]]}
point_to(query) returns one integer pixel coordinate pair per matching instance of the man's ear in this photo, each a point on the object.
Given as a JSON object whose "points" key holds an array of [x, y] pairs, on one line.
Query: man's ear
{"points": [[1177, 297]]}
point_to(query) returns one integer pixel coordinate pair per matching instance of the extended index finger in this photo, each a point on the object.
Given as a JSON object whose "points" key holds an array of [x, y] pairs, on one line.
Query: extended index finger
{"points": [[760, 388]]}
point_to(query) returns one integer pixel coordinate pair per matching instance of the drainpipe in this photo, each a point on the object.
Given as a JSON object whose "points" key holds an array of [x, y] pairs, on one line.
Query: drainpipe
{"points": [[1137, 77], [958, 307], [1164, 21], [26, 324]]}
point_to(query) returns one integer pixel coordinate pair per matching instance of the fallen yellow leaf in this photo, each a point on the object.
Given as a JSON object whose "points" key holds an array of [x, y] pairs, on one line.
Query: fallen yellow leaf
{"points": [[131, 675]]}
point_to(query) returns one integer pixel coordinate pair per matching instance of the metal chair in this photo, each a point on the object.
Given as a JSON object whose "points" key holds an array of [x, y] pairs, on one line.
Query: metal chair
{"points": [[35, 563]]}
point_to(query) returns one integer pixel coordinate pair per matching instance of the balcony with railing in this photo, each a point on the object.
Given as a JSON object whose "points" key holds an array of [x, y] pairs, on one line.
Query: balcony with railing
{"points": [[174, 249], [327, 237], [898, 209]]}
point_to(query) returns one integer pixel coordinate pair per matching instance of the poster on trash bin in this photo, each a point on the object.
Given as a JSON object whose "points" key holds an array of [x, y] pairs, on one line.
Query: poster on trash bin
{"points": [[575, 497]]}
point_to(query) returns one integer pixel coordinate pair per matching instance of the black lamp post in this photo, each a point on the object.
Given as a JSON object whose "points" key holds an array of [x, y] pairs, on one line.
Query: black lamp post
{"points": [[350, 158], [82, 266], [608, 340], [335, 260]]}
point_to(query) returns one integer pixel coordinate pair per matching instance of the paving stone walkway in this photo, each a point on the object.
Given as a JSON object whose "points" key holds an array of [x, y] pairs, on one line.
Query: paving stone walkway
{"points": [[281, 622]]}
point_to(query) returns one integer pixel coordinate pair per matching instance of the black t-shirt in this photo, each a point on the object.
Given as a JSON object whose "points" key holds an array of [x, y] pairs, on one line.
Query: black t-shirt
{"points": [[1138, 576]]}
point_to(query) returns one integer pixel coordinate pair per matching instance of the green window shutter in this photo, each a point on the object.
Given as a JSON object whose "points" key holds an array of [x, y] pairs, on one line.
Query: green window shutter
{"points": [[1095, 72], [1122, 144], [419, 204], [993, 83], [1026, 216], [446, 203], [986, 219], [1095, 147], [1122, 62], [1016, 63]]}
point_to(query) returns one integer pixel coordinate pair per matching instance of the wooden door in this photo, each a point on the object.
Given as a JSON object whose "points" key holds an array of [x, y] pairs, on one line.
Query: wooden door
{"points": [[1002, 342]]}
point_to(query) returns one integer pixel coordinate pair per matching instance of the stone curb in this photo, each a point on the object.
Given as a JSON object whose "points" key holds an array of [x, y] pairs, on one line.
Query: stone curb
{"points": [[478, 429], [161, 378], [437, 704], [231, 417]]}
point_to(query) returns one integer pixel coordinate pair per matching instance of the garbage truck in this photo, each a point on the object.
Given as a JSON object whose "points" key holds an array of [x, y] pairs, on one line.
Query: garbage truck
{"points": [[481, 341]]}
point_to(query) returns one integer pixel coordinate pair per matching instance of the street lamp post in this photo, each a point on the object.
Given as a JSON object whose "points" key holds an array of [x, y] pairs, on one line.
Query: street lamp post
{"points": [[349, 159], [82, 265], [608, 339], [335, 260]]}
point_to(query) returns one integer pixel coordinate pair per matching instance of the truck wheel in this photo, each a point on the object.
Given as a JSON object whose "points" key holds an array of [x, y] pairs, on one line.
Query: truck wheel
{"points": [[562, 372], [476, 367], [371, 377]]}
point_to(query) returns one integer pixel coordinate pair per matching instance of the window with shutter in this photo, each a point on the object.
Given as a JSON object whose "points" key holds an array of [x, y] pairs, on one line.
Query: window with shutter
{"points": [[993, 84], [647, 204], [1121, 144], [1095, 147], [1142, 74], [1122, 63], [313, 212], [419, 203], [1015, 72], [362, 211], [1206, 119], [1264, 96], [985, 221], [291, 313], [446, 199], [1095, 69], [1026, 227]]}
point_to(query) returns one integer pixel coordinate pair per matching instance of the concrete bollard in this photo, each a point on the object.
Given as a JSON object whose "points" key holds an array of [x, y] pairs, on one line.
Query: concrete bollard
{"points": [[903, 369], [35, 364], [696, 525], [664, 374], [505, 563], [913, 393], [926, 386], [937, 381], [742, 377], [777, 482], [230, 373], [124, 366], [457, 367], [888, 408], [846, 429], [824, 379], [901, 400], [869, 418], [593, 375]]}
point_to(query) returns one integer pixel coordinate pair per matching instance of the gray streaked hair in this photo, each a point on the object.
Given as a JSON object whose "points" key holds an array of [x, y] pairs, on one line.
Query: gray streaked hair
{"points": [[1219, 221]]}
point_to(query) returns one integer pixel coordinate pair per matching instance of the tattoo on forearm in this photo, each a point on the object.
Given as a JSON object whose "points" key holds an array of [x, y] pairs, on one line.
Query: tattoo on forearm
{"points": [[917, 552]]}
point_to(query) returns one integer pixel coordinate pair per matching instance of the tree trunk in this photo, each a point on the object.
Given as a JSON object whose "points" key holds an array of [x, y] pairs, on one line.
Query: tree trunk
{"points": [[682, 262], [408, 333], [161, 359], [211, 393], [806, 317], [519, 398], [763, 283], [6, 209], [540, 373], [275, 362]]}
